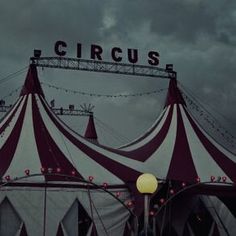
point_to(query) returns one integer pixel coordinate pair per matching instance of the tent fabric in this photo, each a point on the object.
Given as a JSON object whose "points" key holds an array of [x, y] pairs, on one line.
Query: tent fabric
{"points": [[32, 84], [225, 221], [60, 231], [174, 142], [10, 221], [38, 206], [23, 231], [34, 140]]}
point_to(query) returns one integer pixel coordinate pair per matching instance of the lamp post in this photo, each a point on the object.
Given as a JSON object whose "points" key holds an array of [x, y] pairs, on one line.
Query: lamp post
{"points": [[146, 184]]}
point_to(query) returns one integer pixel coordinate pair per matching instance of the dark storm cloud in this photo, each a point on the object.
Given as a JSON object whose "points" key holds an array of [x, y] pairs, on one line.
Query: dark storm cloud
{"points": [[184, 20], [27, 24], [197, 36]]}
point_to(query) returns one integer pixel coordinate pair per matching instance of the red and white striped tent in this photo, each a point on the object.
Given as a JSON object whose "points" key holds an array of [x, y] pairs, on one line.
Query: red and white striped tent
{"points": [[34, 140]]}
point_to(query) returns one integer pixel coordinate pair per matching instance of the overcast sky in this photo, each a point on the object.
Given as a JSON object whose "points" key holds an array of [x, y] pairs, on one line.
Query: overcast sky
{"points": [[197, 36]]}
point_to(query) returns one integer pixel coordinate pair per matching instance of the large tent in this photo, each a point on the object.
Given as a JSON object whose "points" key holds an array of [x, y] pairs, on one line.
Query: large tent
{"points": [[72, 185]]}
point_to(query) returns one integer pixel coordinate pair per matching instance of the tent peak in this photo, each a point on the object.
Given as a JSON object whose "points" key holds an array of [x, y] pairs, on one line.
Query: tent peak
{"points": [[32, 84], [90, 132], [174, 95]]}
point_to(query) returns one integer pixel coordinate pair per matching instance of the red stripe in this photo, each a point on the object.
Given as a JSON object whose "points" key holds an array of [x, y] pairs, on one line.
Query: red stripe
{"points": [[119, 170], [8, 149], [181, 167], [11, 116], [227, 165], [50, 155], [141, 153], [146, 151]]}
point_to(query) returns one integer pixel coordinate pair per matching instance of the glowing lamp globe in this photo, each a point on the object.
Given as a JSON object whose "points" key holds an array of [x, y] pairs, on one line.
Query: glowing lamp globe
{"points": [[147, 183]]}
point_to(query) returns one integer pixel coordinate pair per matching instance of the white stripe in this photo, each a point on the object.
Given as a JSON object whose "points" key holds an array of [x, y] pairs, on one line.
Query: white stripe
{"points": [[150, 136], [162, 155], [130, 163], [26, 155], [6, 133], [137, 165], [159, 162], [10, 113], [203, 161], [76, 157]]}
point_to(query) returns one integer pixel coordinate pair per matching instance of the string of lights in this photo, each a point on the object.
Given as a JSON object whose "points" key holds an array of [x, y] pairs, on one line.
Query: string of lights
{"points": [[104, 95], [213, 124], [197, 100]]}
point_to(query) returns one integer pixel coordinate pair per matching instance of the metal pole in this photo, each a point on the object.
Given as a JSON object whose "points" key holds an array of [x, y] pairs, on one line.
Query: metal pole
{"points": [[154, 225], [136, 226], [146, 213], [45, 211]]}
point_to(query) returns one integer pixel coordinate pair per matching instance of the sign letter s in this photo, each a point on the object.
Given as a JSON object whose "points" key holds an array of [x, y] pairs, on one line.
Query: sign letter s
{"points": [[153, 58]]}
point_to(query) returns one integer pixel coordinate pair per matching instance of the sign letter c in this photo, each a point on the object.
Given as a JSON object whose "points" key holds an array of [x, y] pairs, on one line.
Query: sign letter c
{"points": [[58, 48]]}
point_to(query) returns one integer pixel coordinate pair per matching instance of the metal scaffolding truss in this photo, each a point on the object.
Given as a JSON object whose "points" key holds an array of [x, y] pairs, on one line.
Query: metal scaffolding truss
{"points": [[58, 111], [102, 66]]}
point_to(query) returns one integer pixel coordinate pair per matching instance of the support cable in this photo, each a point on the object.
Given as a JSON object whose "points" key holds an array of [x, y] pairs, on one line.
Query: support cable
{"points": [[190, 93], [91, 206], [119, 137], [99, 217], [193, 99], [12, 75], [213, 123]]}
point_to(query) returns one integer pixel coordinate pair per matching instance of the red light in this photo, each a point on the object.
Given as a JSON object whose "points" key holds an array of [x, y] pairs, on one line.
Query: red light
{"points": [[213, 178], [224, 178], [130, 204], [118, 194], [183, 184], [43, 170], [91, 178], [105, 185], [58, 170], [151, 213], [27, 172], [162, 200], [7, 178], [198, 179], [73, 172], [172, 191]]}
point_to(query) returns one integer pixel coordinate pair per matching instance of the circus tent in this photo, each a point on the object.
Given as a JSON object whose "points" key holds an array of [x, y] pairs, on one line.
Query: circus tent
{"points": [[36, 144]]}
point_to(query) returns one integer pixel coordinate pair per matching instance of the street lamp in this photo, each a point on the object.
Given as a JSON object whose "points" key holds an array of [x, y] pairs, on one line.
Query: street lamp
{"points": [[146, 184]]}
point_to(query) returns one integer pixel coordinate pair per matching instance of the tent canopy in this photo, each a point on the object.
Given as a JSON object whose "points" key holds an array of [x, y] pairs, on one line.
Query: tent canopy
{"points": [[175, 148]]}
